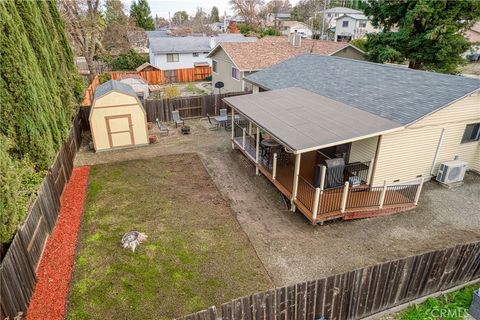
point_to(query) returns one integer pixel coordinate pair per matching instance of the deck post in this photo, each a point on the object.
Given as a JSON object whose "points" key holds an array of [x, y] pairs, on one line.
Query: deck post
{"points": [[257, 150], [323, 171], [344, 197], [243, 138], [419, 190], [274, 166], [296, 173], [316, 201], [370, 171], [233, 127], [249, 128], [382, 195]]}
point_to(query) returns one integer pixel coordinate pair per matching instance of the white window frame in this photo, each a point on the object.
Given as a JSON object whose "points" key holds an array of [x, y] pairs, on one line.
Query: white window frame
{"points": [[214, 66], [362, 22], [173, 59], [233, 68]]}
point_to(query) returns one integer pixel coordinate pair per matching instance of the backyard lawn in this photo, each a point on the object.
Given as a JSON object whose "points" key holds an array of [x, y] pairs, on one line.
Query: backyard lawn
{"points": [[196, 253]]}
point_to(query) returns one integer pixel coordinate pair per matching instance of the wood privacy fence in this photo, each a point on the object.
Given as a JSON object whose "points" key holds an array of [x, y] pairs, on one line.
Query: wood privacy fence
{"points": [[19, 266], [153, 77], [359, 293], [188, 107]]}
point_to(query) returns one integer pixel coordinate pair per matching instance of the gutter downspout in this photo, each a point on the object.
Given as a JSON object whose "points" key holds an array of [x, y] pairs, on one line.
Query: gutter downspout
{"points": [[437, 151]]}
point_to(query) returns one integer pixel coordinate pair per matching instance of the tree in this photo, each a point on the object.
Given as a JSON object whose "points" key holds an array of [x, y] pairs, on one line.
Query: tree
{"points": [[180, 17], [115, 38], [426, 33], [127, 61], [275, 7], [140, 13], [214, 15], [84, 25], [306, 9], [160, 22], [248, 9]]}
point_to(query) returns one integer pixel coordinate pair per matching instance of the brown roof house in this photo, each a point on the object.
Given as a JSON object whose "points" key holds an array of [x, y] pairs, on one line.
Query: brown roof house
{"points": [[231, 62]]}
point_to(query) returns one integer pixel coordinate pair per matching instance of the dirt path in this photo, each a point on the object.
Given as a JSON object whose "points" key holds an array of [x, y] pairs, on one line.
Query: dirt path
{"points": [[289, 247]]}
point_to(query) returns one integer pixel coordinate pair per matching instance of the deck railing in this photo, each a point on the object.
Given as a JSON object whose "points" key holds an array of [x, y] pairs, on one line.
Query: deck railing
{"points": [[353, 197], [359, 171]]}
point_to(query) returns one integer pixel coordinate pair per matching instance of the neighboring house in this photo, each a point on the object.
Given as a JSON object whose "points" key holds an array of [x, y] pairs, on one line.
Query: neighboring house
{"points": [[227, 20], [384, 134], [473, 35], [169, 53], [275, 19], [231, 62], [288, 27], [117, 118], [138, 84], [352, 26], [331, 15]]}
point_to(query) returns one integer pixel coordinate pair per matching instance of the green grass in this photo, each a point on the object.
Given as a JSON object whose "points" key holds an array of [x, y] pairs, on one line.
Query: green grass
{"points": [[196, 255], [450, 306]]}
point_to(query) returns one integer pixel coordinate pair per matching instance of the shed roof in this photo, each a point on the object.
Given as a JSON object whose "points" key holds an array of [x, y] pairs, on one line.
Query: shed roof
{"points": [[117, 86], [274, 49], [396, 93], [303, 120]]}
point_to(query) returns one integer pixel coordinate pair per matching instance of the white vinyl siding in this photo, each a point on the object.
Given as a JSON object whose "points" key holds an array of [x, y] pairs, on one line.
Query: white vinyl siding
{"points": [[408, 153], [363, 150]]}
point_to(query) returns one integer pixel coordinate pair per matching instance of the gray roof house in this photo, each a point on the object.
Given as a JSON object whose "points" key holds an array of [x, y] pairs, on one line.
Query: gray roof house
{"points": [[350, 139], [168, 53]]}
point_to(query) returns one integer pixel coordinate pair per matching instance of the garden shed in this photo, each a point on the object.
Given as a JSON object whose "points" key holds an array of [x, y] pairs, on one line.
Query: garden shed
{"points": [[139, 85], [117, 118]]}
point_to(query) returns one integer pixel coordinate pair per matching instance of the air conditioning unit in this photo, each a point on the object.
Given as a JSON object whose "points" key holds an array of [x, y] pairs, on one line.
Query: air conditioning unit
{"points": [[452, 171]]}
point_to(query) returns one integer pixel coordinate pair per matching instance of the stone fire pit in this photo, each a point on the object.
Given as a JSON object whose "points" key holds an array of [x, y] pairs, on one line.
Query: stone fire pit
{"points": [[185, 130]]}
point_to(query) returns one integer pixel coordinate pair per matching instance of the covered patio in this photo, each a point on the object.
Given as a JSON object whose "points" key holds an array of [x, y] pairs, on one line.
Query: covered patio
{"points": [[320, 153]]}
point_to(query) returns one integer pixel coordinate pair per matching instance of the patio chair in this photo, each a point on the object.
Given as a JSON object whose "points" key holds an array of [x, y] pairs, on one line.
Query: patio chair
{"points": [[162, 127], [223, 112], [177, 119], [214, 124]]}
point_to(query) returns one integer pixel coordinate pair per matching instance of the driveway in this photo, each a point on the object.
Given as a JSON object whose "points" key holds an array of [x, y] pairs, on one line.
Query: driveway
{"points": [[291, 249]]}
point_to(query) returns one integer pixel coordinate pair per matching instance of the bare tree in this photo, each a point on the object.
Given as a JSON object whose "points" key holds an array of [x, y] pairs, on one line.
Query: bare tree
{"points": [[248, 9], [84, 25]]}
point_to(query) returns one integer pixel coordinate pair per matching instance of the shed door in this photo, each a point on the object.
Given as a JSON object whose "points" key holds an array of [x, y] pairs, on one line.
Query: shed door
{"points": [[120, 131]]}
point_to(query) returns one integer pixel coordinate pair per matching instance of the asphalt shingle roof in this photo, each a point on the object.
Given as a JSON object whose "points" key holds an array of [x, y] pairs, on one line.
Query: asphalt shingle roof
{"points": [[396, 93], [191, 43]]}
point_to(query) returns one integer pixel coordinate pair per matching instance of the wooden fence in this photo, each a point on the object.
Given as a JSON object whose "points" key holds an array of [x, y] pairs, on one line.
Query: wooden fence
{"points": [[153, 77], [359, 293], [19, 266], [188, 107]]}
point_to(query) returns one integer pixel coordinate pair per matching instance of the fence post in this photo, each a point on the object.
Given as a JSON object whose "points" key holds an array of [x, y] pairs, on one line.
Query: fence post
{"points": [[382, 195], [257, 149], [419, 190], [344, 197], [370, 171], [243, 138], [274, 166], [316, 200]]}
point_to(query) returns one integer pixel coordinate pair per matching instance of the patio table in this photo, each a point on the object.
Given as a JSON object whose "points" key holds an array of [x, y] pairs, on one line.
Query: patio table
{"points": [[223, 119]]}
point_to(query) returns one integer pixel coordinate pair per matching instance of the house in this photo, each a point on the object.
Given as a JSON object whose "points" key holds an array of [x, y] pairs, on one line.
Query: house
{"points": [[338, 150], [274, 19], [330, 15], [138, 84], [169, 53], [288, 27], [352, 26], [117, 118], [231, 62], [473, 35]]}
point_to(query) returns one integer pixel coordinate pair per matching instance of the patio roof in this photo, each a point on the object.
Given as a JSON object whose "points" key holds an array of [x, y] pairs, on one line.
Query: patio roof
{"points": [[304, 121]]}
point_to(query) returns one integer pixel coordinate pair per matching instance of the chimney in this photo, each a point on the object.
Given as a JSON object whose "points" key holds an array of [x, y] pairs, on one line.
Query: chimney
{"points": [[213, 42]]}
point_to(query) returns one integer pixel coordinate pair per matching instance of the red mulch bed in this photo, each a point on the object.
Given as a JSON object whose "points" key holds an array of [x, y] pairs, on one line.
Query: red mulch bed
{"points": [[55, 269]]}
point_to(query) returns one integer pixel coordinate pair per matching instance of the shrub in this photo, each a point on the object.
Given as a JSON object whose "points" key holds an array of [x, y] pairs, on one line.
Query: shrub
{"points": [[360, 43], [172, 91], [104, 77], [191, 87]]}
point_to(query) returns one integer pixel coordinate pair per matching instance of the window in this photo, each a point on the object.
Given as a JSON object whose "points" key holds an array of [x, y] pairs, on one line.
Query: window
{"points": [[196, 54], [345, 24], [172, 57], [214, 66], [472, 133], [362, 24], [235, 73]]}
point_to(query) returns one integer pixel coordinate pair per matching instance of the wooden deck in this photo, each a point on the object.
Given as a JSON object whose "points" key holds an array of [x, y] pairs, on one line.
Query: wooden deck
{"points": [[362, 201]]}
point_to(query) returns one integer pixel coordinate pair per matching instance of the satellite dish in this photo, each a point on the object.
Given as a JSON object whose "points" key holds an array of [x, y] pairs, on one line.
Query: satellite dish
{"points": [[219, 85]]}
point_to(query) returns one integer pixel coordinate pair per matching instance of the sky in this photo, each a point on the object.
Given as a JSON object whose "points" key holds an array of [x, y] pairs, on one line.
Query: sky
{"points": [[163, 7]]}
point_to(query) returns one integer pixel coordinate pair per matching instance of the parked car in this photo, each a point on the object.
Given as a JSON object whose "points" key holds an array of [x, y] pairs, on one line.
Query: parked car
{"points": [[474, 57]]}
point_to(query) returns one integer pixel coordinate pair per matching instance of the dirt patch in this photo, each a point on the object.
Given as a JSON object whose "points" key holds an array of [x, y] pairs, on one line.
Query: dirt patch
{"points": [[196, 254], [291, 249]]}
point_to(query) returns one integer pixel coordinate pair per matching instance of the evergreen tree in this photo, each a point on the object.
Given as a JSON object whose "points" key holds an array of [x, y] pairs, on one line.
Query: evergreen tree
{"points": [[426, 33], [140, 13], [214, 15]]}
